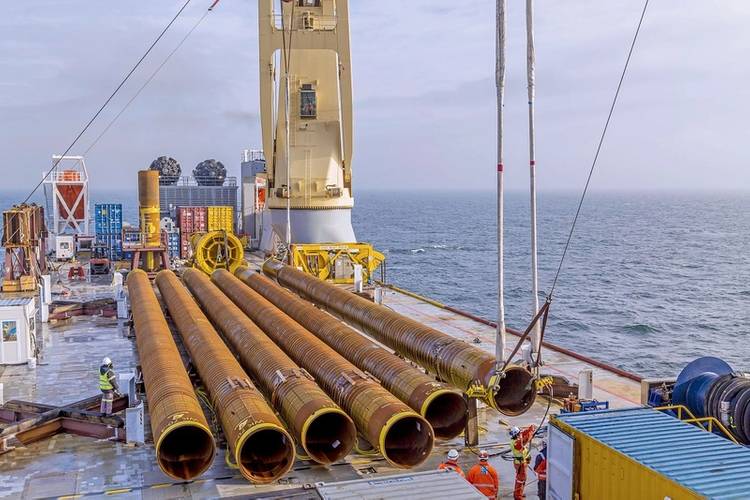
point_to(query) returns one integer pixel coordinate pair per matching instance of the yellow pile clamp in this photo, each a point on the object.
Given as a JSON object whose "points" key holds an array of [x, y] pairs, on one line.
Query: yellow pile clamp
{"points": [[320, 259]]}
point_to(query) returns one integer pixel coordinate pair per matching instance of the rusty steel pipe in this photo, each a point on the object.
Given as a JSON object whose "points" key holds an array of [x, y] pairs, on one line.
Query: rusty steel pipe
{"points": [[452, 360], [262, 449], [322, 428], [403, 436], [185, 447], [443, 407]]}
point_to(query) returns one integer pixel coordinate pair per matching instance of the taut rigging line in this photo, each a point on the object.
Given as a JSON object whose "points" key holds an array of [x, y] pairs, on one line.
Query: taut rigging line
{"points": [[109, 99], [598, 150], [543, 312], [151, 77]]}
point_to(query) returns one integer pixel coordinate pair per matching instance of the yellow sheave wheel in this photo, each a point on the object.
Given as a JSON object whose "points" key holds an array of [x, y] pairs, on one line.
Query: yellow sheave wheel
{"points": [[217, 250]]}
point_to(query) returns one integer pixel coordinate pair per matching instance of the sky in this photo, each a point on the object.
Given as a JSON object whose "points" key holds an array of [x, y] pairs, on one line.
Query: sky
{"points": [[424, 105]]}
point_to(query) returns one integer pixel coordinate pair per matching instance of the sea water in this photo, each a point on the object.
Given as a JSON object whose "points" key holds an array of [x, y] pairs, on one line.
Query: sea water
{"points": [[651, 280]]}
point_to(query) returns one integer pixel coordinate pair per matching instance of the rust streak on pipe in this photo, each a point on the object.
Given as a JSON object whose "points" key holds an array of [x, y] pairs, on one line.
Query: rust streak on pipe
{"points": [[322, 428], [442, 406], [450, 359], [262, 449], [404, 437], [185, 447]]}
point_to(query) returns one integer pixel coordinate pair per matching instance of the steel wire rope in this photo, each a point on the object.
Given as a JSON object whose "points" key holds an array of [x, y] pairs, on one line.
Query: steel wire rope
{"points": [[598, 150], [106, 102], [150, 78], [287, 57], [109, 99]]}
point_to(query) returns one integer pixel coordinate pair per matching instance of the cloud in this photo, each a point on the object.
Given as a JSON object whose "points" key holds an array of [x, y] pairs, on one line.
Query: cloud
{"points": [[424, 91]]}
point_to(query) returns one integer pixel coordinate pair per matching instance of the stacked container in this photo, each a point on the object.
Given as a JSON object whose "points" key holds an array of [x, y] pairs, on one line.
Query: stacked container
{"points": [[108, 228], [173, 244], [190, 220], [171, 237], [220, 218]]}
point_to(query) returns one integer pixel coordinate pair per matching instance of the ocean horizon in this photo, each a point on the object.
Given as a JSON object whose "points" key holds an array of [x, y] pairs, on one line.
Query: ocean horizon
{"points": [[652, 279]]}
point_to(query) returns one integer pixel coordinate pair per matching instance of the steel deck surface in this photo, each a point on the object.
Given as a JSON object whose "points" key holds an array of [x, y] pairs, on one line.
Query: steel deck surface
{"points": [[66, 465]]}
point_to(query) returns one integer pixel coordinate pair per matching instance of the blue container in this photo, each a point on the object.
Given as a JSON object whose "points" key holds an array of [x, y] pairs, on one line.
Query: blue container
{"points": [[108, 218], [132, 237], [173, 244], [651, 442], [113, 243]]}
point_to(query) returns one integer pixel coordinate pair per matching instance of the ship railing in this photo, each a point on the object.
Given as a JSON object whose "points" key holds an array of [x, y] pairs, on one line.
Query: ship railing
{"points": [[253, 155], [705, 423], [202, 181]]}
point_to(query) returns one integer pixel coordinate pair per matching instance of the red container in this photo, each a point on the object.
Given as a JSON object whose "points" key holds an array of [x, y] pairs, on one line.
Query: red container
{"points": [[190, 220]]}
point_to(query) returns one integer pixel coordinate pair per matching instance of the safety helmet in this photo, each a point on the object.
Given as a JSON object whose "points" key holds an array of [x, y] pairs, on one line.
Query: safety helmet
{"points": [[483, 455], [514, 431], [106, 361], [453, 455]]}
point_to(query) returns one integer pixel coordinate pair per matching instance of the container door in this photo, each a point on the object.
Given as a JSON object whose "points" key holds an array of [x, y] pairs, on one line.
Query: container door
{"points": [[559, 465], [10, 345]]}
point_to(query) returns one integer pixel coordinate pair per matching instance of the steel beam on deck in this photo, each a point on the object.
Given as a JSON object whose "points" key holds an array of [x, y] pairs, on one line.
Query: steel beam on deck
{"points": [[31, 422]]}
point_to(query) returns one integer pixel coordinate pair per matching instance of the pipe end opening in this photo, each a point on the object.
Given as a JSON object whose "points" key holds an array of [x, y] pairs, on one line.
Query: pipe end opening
{"points": [[186, 452], [329, 437], [446, 413], [265, 455], [407, 440], [516, 392]]}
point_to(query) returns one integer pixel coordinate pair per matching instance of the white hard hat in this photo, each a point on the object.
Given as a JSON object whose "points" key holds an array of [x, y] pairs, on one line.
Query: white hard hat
{"points": [[483, 455], [453, 455], [514, 431], [106, 361]]}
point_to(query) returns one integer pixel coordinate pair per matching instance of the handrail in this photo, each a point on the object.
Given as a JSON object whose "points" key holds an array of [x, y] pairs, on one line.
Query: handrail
{"points": [[679, 408], [711, 421]]}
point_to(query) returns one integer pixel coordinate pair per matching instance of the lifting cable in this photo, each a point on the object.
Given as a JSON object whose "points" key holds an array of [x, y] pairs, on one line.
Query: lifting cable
{"points": [[544, 310], [130, 73], [287, 56], [150, 78], [109, 99], [598, 150]]}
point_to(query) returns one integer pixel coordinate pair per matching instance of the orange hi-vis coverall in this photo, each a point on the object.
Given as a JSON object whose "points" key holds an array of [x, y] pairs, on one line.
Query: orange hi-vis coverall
{"points": [[451, 465], [484, 478]]}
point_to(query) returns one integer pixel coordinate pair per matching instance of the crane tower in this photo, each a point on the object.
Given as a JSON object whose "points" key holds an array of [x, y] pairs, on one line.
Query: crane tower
{"points": [[304, 52]]}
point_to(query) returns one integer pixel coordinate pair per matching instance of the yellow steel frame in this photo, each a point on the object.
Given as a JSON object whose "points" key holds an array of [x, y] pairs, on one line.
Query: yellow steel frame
{"points": [[700, 421], [319, 259]]}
